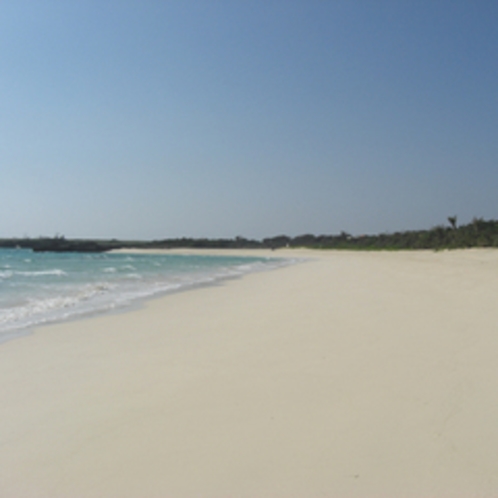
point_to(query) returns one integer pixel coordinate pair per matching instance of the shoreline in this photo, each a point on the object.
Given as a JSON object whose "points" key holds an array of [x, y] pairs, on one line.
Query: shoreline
{"points": [[138, 302], [352, 374]]}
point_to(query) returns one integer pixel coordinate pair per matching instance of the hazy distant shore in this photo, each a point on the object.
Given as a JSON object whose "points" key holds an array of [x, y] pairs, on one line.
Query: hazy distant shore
{"points": [[353, 374]]}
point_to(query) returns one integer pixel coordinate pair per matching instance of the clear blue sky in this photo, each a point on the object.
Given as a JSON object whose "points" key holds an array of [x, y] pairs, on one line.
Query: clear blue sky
{"points": [[218, 118]]}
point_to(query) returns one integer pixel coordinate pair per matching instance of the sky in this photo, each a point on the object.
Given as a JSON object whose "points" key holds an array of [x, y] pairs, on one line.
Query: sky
{"points": [[152, 119]]}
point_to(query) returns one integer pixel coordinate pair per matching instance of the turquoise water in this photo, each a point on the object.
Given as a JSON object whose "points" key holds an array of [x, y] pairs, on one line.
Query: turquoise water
{"points": [[39, 288]]}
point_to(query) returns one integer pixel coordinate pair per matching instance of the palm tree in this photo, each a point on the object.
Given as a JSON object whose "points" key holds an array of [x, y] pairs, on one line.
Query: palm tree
{"points": [[453, 221]]}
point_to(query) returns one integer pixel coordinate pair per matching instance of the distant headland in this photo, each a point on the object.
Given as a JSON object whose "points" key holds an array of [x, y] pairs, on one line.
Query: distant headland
{"points": [[478, 233]]}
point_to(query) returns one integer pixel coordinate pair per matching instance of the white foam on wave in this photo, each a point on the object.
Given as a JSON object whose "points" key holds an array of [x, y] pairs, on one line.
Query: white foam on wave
{"points": [[42, 273], [36, 311]]}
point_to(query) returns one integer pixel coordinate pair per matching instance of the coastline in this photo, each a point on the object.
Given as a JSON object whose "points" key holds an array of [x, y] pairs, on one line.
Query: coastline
{"points": [[40, 290], [352, 374]]}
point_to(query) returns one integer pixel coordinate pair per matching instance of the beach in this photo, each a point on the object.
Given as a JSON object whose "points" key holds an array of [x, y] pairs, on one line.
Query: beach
{"points": [[350, 374]]}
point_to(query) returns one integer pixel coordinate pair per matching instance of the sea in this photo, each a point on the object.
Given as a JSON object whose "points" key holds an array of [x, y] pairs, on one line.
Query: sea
{"points": [[38, 288]]}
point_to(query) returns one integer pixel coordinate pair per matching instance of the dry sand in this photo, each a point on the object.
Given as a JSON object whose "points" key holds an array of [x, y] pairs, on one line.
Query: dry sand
{"points": [[351, 375]]}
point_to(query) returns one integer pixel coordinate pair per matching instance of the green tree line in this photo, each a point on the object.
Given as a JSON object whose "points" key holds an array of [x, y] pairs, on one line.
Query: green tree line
{"points": [[478, 233]]}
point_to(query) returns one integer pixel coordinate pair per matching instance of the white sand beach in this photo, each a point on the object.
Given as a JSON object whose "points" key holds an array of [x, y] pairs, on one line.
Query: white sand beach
{"points": [[353, 374]]}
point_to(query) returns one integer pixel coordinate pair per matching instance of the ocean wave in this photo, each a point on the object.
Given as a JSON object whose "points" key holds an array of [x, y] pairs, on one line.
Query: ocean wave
{"points": [[40, 310], [42, 273]]}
